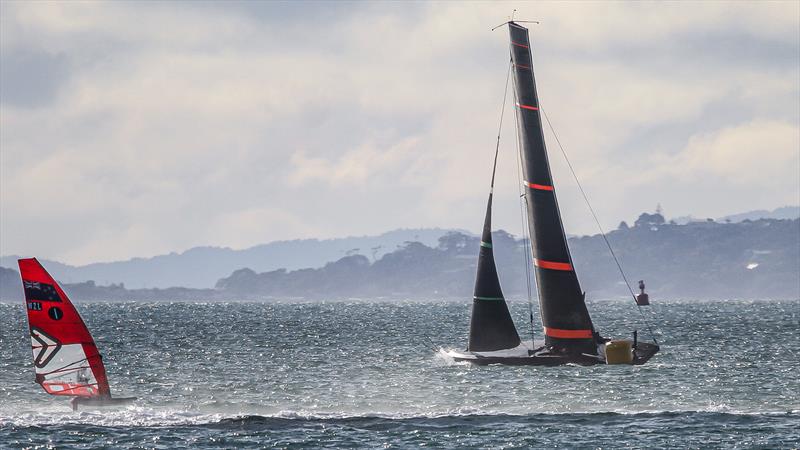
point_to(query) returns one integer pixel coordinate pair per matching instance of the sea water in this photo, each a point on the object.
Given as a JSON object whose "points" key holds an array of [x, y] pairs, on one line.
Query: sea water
{"points": [[363, 374]]}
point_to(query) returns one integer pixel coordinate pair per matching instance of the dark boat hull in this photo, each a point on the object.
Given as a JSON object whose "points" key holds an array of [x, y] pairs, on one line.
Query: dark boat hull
{"points": [[641, 354]]}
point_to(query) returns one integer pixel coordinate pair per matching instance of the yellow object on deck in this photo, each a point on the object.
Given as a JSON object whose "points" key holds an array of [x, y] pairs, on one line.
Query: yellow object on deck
{"points": [[619, 352]]}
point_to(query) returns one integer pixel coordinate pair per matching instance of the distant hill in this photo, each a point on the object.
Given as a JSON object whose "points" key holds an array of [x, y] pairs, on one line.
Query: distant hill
{"points": [[702, 260], [11, 290], [201, 267], [699, 260], [784, 212]]}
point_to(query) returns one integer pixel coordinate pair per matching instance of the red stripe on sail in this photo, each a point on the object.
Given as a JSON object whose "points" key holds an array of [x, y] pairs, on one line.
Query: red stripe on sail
{"points": [[522, 66], [532, 108], [541, 187], [568, 334], [519, 44], [552, 265]]}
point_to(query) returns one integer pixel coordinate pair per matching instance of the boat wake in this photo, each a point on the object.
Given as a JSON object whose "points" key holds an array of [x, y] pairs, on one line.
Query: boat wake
{"points": [[141, 426], [138, 416], [443, 357]]}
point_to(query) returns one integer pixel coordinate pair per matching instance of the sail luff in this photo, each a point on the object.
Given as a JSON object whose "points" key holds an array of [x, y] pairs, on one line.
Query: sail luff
{"points": [[565, 318]]}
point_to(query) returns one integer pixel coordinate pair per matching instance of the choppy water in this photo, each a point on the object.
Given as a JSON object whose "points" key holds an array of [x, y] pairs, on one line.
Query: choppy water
{"points": [[359, 375]]}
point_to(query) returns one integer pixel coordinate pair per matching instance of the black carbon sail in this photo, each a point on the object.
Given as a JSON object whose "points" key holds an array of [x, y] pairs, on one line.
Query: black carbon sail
{"points": [[570, 337], [566, 321], [491, 327]]}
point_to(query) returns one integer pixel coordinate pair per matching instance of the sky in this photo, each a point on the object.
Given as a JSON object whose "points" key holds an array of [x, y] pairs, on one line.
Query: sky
{"points": [[133, 129]]}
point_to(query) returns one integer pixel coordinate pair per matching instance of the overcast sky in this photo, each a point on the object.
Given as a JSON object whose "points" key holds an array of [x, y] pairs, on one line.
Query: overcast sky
{"points": [[133, 129]]}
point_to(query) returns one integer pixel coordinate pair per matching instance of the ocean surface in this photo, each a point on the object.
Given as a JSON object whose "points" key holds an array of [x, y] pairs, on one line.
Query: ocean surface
{"points": [[362, 374]]}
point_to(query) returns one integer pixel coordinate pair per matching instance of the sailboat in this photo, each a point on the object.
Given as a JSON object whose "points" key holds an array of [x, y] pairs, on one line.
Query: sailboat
{"points": [[570, 336], [65, 357]]}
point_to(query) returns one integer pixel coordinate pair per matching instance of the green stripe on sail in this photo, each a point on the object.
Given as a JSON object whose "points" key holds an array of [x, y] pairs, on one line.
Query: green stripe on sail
{"points": [[486, 244], [488, 298]]}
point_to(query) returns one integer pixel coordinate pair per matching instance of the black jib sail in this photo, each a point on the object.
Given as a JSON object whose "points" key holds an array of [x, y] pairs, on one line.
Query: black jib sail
{"points": [[491, 327], [567, 325]]}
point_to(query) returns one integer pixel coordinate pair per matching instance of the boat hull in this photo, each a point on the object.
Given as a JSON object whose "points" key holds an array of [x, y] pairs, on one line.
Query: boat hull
{"points": [[641, 354]]}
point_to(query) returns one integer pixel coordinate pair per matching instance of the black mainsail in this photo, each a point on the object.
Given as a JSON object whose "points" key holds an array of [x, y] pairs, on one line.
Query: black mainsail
{"points": [[491, 327], [570, 337], [566, 321]]}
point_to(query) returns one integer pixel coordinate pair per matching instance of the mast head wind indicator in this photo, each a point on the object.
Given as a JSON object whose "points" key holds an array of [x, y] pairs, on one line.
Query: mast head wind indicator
{"points": [[515, 21], [511, 20]]}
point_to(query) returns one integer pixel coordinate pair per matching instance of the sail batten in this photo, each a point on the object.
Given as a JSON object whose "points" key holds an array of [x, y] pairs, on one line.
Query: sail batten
{"points": [[564, 315]]}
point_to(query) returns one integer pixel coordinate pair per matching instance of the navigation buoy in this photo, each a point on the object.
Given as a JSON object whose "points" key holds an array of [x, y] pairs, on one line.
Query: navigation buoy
{"points": [[642, 299]]}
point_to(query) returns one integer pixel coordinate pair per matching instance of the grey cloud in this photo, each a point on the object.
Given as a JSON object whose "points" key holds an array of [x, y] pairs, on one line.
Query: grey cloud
{"points": [[693, 48], [239, 123], [737, 49], [285, 11], [31, 77]]}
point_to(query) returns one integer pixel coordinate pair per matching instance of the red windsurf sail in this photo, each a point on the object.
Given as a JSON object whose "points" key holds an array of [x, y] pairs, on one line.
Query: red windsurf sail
{"points": [[64, 354]]}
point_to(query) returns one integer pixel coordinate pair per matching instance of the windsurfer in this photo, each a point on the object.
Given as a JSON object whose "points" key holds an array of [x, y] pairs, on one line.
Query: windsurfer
{"points": [[78, 370]]}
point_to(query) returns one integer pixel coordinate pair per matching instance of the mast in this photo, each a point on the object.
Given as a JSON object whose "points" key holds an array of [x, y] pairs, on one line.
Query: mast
{"points": [[491, 327], [566, 321]]}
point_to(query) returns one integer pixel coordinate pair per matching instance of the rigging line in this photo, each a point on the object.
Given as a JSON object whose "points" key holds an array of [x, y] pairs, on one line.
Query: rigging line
{"points": [[523, 215], [494, 171], [500, 127], [433, 345], [425, 344], [597, 221]]}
